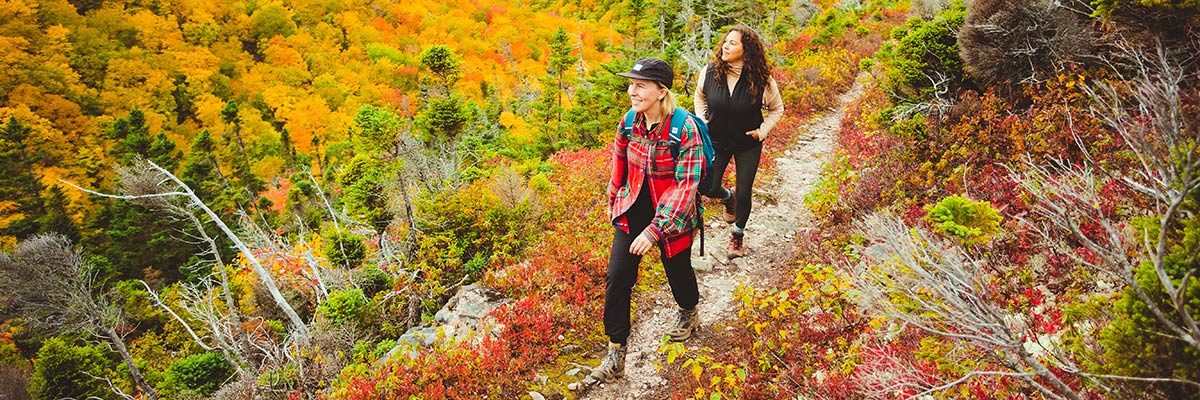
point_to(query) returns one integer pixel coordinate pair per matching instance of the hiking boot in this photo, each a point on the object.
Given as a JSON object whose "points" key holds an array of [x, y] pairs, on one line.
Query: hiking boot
{"points": [[611, 368], [736, 248], [730, 207], [685, 325]]}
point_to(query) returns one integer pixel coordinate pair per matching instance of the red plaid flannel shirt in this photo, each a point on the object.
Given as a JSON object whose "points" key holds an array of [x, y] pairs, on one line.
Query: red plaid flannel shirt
{"points": [[672, 182]]}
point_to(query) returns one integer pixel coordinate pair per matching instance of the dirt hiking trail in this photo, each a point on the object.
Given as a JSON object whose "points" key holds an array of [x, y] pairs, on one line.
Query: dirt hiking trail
{"points": [[778, 215]]}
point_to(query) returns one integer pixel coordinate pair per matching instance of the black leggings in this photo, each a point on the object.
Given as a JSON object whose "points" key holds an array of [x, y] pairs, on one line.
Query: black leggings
{"points": [[746, 167], [623, 272]]}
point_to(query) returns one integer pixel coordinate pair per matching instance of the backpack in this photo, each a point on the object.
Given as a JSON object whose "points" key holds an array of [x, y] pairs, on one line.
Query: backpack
{"points": [[678, 118]]}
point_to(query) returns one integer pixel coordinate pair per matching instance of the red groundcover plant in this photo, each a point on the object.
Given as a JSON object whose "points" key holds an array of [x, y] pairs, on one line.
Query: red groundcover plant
{"points": [[496, 367]]}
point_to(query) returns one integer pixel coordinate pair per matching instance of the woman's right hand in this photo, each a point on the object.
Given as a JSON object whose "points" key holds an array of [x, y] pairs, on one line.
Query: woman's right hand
{"points": [[641, 245]]}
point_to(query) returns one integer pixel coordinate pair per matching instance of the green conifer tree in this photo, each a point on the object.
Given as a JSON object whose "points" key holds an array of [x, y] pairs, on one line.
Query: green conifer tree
{"points": [[20, 187], [549, 109], [445, 114], [57, 218], [66, 371], [132, 137], [120, 233]]}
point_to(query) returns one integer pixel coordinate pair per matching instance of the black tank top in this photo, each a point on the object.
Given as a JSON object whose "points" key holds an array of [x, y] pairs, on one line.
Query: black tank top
{"points": [[730, 116]]}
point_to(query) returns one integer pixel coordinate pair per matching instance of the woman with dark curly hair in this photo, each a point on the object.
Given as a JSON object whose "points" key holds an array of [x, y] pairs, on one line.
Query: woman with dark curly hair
{"points": [[734, 90]]}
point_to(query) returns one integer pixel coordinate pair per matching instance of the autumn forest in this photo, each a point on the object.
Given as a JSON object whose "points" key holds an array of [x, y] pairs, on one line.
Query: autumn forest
{"points": [[274, 198]]}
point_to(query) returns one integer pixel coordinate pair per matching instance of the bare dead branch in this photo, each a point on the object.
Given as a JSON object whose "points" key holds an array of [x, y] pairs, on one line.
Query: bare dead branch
{"points": [[1145, 108], [146, 177], [911, 276], [111, 386], [186, 325], [333, 216]]}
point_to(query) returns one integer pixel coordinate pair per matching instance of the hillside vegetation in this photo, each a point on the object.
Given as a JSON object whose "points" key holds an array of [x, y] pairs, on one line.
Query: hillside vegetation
{"points": [[258, 199], [1011, 214]]}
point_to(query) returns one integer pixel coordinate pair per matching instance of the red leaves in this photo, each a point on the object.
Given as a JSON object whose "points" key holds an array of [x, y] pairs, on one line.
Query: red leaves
{"points": [[533, 330], [1033, 296], [799, 44], [1115, 197], [490, 367], [1050, 322]]}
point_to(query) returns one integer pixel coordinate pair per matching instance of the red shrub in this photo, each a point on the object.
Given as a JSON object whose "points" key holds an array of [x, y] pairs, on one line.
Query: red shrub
{"points": [[494, 367]]}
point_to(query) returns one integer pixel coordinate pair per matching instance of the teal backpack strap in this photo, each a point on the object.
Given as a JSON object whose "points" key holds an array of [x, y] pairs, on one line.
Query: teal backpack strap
{"points": [[678, 118], [626, 129], [627, 125]]}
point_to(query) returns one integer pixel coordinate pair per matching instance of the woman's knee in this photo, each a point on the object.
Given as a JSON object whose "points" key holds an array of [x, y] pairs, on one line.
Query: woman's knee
{"points": [[619, 285]]}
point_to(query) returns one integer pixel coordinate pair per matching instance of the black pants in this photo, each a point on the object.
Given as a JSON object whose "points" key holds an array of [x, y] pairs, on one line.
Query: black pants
{"points": [[623, 272], [746, 167]]}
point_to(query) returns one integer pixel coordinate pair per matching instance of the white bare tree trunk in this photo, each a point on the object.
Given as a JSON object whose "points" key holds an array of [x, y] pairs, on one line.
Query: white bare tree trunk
{"points": [[134, 372], [148, 184]]}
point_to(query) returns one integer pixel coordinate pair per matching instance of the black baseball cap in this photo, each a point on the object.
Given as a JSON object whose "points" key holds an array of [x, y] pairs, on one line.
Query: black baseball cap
{"points": [[651, 69]]}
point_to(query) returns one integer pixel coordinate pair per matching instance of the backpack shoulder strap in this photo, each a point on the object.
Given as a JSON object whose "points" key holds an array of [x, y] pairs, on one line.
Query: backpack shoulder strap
{"points": [[627, 124], [678, 119]]}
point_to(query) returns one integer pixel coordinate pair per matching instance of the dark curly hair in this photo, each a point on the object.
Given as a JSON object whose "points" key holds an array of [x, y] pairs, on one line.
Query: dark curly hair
{"points": [[755, 67]]}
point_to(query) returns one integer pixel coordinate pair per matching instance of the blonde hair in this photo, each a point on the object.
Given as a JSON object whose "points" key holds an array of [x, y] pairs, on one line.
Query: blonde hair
{"points": [[667, 105]]}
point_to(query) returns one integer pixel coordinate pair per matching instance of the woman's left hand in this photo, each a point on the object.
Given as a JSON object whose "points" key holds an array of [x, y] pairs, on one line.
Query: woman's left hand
{"points": [[753, 134], [641, 245]]}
